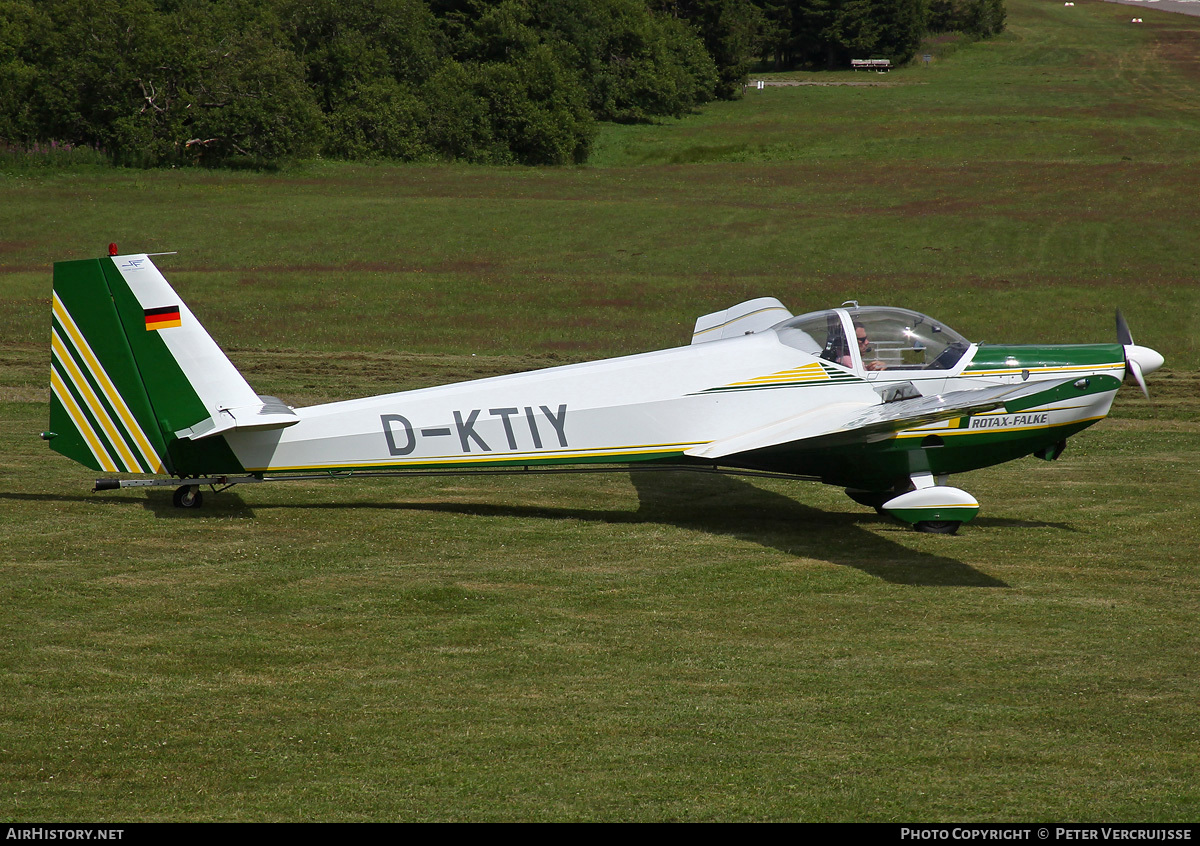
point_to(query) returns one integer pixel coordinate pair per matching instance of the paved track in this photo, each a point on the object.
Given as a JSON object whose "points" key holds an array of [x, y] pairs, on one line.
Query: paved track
{"points": [[1184, 7]]}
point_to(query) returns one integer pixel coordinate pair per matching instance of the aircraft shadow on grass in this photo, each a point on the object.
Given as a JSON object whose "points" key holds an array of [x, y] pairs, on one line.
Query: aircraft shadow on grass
{"points": [[722, 505], [701, 502], [729, 506]]}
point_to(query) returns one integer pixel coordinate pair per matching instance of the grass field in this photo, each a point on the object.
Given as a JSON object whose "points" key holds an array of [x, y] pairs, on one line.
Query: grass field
{"points": [[638, 646]]}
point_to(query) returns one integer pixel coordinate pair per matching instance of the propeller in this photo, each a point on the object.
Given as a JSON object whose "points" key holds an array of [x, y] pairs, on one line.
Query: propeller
{"points": [[1138, 360], [1124, 336]]}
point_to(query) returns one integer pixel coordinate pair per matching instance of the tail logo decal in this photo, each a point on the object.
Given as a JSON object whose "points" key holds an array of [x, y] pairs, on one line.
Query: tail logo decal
{"points": [[115, 438]]}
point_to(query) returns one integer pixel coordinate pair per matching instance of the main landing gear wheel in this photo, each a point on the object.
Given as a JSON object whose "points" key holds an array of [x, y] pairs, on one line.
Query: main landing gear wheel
{"points": [[937, 527], [188, 496], [932, 508]]}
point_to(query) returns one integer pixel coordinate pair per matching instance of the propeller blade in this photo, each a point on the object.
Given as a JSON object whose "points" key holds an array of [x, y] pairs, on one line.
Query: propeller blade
{"points": [[1135, 370], [1124, 336]]}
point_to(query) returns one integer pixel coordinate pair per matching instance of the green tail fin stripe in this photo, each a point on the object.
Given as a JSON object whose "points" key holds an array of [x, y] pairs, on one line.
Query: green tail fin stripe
{"points": [[73, 355], [99, 452], [82, 355], [67, 369]]}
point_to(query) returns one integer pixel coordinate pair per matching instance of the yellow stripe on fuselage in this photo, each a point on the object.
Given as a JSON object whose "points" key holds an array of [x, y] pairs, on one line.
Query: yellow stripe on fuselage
{"points": [[807, 373], [1042, 372], [924, 433], [542, 456]]}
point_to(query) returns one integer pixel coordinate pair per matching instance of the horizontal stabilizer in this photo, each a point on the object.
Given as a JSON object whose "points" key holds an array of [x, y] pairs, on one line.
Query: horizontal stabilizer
{"points": [[845, 423], [742, 319], [270, 413]]}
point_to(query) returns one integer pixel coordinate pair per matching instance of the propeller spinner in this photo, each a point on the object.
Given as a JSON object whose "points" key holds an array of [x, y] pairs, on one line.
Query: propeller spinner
{"points": [[1138, 360]]}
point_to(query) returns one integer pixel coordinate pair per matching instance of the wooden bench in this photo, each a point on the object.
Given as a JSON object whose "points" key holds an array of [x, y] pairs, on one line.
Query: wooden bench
{"points": [[877, 65]]}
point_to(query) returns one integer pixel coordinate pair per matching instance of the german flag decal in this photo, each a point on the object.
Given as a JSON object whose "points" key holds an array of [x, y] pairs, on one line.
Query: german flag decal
{"points": [[162, 318]]}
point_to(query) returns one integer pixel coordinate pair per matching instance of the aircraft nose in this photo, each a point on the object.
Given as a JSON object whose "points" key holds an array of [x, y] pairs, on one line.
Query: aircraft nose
{"points": [[1147, 360]]}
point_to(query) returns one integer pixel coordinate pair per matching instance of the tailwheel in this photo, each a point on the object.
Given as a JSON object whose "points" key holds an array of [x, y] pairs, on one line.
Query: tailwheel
{"points": [[188, 496]]}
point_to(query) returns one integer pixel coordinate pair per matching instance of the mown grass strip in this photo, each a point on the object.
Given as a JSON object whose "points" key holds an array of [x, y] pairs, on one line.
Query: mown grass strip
{"points": [[636, 647]]}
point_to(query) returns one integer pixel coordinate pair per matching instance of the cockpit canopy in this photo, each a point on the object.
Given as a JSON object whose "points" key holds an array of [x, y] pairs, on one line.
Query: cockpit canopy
{"points": [[875, 338]]}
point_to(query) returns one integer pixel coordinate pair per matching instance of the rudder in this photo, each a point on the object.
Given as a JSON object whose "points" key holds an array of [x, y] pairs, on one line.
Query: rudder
{"points": [[137, 384], [100, 414]]}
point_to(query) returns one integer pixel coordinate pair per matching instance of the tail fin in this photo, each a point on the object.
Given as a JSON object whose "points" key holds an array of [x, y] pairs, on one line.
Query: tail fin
{"points": [[137, 384]]}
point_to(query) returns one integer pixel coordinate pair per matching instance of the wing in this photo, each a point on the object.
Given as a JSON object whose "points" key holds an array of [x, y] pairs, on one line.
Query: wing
{"points": [[742, 319], [844, 423]]}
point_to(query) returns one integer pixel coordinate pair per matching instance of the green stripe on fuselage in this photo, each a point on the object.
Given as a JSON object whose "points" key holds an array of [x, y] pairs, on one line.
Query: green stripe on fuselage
{"points": [[991, 357], [876, 466], [841, 459]]}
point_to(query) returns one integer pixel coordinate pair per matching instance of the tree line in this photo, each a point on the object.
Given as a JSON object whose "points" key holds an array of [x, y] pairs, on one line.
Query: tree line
{"points": [[173, 82]]}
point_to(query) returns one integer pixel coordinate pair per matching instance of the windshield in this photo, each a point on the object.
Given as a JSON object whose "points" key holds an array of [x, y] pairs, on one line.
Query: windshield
{"points": [[887, 338]]}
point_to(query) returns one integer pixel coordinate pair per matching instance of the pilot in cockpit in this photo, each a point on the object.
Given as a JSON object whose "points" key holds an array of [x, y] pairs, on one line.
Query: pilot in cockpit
{"points": [[864, 347]]}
